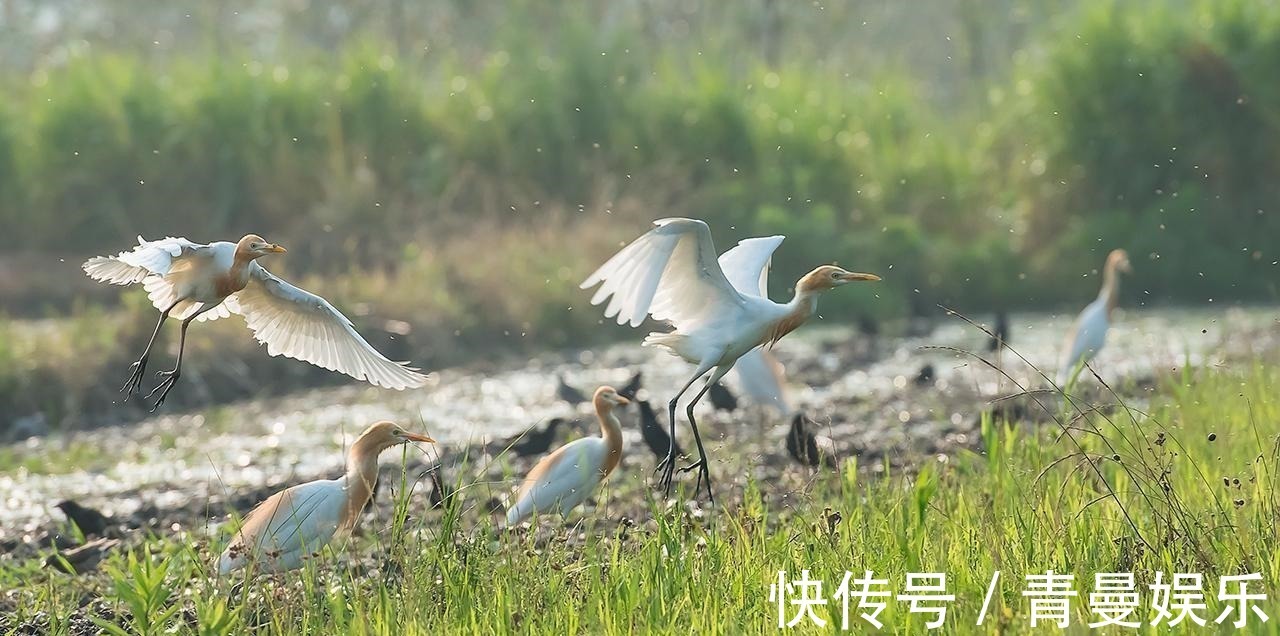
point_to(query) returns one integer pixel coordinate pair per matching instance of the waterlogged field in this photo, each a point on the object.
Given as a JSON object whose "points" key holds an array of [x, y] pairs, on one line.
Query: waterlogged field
{"points": [[1169, 468]]}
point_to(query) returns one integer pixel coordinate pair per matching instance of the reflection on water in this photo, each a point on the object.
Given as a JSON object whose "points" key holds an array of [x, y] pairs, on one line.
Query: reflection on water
{"points": [[862, 393]]}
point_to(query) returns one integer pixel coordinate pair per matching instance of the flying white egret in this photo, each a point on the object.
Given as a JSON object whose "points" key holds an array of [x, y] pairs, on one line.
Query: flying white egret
{"points": [[1089, 332], [719, 308], [193, 281], [566, 477], [295, 524]]}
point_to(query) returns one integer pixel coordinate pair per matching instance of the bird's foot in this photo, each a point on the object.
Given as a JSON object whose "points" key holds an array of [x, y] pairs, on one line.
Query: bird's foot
{"points": [[668, 468], [170, 379], [704, 473], [133, 385]]}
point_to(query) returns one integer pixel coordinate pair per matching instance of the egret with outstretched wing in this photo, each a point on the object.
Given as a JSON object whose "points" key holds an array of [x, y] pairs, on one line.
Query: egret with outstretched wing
{"points": [[194, 281], [717, 306]]}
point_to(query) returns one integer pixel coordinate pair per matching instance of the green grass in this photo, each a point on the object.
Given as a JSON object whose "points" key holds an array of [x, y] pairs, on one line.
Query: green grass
{"points": [[1191, 487]]}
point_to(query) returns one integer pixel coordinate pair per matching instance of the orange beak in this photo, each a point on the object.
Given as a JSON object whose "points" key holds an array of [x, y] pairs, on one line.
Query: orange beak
{"points": [[855, 276], [414, 437], [276, 249], [621, 401]]}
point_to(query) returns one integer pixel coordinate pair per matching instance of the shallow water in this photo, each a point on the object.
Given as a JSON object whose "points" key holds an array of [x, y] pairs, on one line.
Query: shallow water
{"points": [[861, 391]]}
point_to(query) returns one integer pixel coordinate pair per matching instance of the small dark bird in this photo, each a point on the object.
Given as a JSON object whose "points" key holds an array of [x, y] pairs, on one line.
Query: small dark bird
{"points": [[722, 399], [89, 521], [801, 444], [1001, 333], [655, 437], [567, 393], [440, 491], [632, 387], [925, 376], [81, 559], [535, 442], [868, 326]]}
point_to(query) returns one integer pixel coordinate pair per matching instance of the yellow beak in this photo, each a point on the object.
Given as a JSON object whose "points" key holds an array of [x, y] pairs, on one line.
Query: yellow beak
{"points": [[276, 249], [414, 437], [855, 276], [622, 401]]}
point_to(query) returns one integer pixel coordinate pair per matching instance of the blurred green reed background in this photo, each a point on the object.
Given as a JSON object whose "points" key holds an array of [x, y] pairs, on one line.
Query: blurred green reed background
{"points": [[449, 171]]}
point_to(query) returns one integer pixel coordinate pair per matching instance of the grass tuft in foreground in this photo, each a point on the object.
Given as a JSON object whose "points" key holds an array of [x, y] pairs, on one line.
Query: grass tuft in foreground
{"points": [[1190, 486]]}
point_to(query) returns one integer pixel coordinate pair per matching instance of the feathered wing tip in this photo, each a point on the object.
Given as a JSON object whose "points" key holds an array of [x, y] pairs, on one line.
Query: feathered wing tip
{"points": [[109, 270]]}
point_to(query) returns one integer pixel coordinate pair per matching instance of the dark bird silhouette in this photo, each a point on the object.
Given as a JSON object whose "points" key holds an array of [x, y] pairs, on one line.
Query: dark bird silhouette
{"points": [[632, 387], [802, 445], [440, 491], [81, 559], [89, 521], [567, 393], [721, 398], [536, 442], [655, 437], [925, 376], [1001, 333]]}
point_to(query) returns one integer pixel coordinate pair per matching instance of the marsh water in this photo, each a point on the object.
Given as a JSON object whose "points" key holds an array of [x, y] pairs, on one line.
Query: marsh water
{"points": [[863, 391]]}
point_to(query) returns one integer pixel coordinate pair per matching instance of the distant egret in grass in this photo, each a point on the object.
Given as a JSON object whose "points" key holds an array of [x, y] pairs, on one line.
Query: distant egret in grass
{"points": [[295, 524], [718, 307], [1089, 333], [194, 281], [566, 477]]}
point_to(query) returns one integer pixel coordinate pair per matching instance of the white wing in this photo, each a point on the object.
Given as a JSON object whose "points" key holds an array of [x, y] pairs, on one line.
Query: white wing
{"points": [[747, 264], [295, 323], [761, 378], [561, 481], [670, 273], [150, 263], [1085, 339], [288, 527]]}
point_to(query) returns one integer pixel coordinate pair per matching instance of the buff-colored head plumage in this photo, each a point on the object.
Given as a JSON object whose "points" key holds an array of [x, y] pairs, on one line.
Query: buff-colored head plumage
{"points": [[253, 246], [1118, 261], [827, 277]]}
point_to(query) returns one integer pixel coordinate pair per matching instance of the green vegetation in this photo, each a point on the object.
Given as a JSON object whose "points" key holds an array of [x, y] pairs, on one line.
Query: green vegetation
{"points": [[1191, 487]]}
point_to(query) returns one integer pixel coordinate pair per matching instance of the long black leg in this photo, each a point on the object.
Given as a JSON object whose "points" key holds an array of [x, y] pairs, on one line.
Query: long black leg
{"points": [[704, 468], [171, 377], [138, 369], [668, 465]]}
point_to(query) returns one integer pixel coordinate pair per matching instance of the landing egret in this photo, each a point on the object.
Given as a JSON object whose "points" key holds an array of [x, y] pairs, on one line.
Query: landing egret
{"points": [[295, 524], [194, 281], [718, 307], [565, 478], [1089, 332]]}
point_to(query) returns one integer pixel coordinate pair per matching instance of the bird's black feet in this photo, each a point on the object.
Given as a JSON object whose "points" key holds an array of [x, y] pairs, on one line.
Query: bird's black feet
{"points": [[704, 474], [668, 468], [133, 385], [170, 379]]}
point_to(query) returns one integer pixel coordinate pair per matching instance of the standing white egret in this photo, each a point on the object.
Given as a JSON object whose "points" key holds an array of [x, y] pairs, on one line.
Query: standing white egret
{"points": [[295, 524], [194, 281], [718, 307], [1089, 332], [566, 477]]}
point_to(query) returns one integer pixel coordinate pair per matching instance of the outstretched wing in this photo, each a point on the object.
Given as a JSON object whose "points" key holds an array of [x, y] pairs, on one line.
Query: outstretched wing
{"points": [[298, 324], [761, 378], [747, 264], [151, 263], [670, 273]]}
